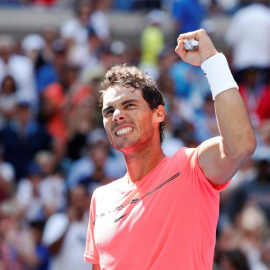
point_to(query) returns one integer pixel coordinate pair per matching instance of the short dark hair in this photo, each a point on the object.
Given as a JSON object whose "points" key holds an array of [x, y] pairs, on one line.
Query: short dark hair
{"points": [[131, 76]]}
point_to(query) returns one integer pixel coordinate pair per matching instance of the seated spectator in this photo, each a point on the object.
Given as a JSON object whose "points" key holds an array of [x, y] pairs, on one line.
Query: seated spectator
{"points": [[246, 234], [32, 47], [53, 186], [59, 100], [152, 42], [248, 36], [187, 15], [98, 167], [88, 53], [28, 195], [190, 86], [256, 95], [49, 35], [22, 138], [52, 71], [74, 30], [17, 248], [256, 191], [206, 124], [13, 64], [98, 19], [64, 233], [8, 98], [39, 259]]}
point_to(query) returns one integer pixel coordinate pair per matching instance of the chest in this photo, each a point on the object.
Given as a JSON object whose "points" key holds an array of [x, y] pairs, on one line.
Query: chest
{"points": [[148, 211]]}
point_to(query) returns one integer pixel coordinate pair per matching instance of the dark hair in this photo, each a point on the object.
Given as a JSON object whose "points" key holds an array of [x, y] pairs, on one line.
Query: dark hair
{"points": [[13, 83], [237, 258], [131, 76]]}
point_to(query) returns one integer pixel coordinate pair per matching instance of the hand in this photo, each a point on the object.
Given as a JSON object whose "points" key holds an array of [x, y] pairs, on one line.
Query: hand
{"points": [[196, 57]]}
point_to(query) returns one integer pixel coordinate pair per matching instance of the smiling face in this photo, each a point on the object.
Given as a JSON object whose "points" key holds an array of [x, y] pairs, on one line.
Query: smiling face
{"points": [[128, 120]]}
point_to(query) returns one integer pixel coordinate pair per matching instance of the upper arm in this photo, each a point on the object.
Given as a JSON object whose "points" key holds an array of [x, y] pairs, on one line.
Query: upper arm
{"points": [[217, 167]]}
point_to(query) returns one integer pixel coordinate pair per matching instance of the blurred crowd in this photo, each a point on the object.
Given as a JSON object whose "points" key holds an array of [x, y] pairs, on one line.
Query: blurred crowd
{"points": [[53, 149]]}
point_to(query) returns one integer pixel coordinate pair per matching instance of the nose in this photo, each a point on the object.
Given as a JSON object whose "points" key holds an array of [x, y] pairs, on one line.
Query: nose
{"points": [[118, 115]]}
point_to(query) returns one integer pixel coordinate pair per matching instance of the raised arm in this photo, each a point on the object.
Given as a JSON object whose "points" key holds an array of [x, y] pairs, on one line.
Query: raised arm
{"points": [[222, 156]]}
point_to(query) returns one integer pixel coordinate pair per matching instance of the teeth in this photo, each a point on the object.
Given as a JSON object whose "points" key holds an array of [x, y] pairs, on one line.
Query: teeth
{"points": [[124, 131]]}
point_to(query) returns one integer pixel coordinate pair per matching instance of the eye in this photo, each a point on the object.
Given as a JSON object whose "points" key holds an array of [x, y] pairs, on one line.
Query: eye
{"points": [[130, 106], [108, 113]]}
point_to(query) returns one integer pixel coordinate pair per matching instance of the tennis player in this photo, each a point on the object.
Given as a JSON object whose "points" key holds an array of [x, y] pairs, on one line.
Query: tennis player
{"points": [[163, 213]]}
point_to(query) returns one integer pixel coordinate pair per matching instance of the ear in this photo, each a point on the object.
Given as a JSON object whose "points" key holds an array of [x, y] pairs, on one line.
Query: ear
{"points": [[159, 114]]}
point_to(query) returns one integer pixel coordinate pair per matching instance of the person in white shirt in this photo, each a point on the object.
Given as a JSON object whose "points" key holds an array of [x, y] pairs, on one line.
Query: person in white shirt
{"points": [[249, 37]]}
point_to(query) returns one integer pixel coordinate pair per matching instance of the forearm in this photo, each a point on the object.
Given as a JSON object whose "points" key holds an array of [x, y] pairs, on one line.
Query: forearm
{"points": [[237, 137], [238, 141]]}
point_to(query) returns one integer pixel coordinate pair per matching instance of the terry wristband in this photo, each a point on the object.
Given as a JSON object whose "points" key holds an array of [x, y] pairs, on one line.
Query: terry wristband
{"points": [[218, 74]]}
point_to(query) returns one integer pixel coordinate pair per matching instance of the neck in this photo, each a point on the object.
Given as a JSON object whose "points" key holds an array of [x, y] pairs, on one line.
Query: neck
{"points": [[140, 163]]}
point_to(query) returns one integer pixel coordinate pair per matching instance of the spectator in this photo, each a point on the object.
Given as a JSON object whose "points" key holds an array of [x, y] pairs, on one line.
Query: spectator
{"points": [[17, 249], [65, 233], [13, 64], [206, 123], [100, 61], [256, 191], [190, 86], [32, 47], [49, 35], [246, 234], [89, 53], [52, 72], [152, 42], [29, 196], [8, 99], [98, 19], [187, 15], [74, 30], [39, 259], [98, 167], [249, 37], [53, 186], [256, 95], [22, 138]]}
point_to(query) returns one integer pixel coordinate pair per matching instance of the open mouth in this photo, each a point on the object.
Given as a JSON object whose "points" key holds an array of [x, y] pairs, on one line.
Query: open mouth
{"points": [[124, 131]]}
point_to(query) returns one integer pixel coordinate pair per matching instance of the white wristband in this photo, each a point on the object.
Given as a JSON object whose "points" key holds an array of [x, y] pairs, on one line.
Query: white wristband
{"points": [[218, 73]]}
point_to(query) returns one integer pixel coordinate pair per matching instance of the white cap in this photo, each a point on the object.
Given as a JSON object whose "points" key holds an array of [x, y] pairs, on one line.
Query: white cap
{"points": [[33, 42], [155, 16]]}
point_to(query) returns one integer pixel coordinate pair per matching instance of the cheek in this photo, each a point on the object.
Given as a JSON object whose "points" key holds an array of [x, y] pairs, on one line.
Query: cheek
{"points": [[107, 127]]}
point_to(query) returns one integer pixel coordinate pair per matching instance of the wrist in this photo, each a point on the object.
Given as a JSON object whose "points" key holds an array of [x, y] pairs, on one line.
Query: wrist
{"points": [[218, 73], [208, 55]]}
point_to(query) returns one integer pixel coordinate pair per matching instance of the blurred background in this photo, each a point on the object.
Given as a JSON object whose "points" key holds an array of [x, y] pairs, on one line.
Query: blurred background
{"points": [[53, 149]]}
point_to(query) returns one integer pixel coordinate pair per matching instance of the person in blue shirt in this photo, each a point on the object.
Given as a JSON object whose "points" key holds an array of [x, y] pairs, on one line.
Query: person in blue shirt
{"points": [[187, 15]]}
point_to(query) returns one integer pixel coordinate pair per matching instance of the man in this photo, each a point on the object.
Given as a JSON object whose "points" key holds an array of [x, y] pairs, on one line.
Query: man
{"points": [[163, 213]]}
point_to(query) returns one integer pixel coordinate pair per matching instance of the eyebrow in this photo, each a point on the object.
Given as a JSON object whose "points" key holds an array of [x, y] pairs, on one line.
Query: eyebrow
{"points": [[122, 104]]}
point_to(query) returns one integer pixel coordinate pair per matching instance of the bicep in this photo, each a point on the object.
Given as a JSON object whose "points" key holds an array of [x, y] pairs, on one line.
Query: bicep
{"points": [[216, 166]]}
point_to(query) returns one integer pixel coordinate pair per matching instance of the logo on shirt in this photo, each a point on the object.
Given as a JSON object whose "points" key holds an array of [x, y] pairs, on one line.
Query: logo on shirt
{"points": [[135, 201]]}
